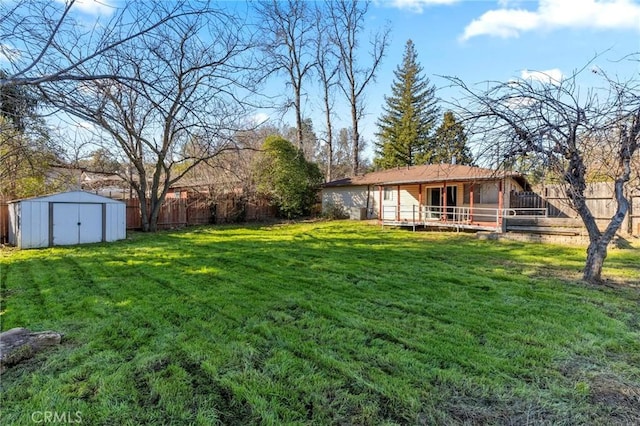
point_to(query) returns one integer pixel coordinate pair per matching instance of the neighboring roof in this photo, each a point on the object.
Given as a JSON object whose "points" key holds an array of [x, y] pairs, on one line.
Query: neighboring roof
{"points": [[70, 197], [424, 174]]}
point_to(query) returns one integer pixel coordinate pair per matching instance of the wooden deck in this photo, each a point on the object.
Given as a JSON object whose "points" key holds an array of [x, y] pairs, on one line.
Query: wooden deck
{"points": [[476, 226], [458, 218]]}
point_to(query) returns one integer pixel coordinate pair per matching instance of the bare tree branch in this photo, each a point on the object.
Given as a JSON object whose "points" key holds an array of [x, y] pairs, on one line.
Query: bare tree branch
{"points": [[570, 133]]}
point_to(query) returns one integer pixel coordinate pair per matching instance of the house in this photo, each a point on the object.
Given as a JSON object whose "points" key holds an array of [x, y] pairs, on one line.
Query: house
{"points": [[106, 184], [443, 195], [67, 218]]}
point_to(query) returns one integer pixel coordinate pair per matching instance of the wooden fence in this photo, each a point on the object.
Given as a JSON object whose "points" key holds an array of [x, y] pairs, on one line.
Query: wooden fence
{"points": [[600, 200], [177, 213], [180, 212]]}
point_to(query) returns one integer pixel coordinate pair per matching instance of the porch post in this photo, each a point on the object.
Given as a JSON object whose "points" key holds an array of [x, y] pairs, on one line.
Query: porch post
{"points": [[500, 203], [471, 190], [420, 202], [443, 202], [380, 211], [398, 204]]}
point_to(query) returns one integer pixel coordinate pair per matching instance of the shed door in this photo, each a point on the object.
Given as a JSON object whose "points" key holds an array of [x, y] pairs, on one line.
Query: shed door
{"points": [[76, 223]]}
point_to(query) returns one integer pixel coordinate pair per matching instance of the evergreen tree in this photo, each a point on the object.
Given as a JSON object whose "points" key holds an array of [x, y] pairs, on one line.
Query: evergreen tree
{"points": [[290, 181], [410, 114], [451, 142]]}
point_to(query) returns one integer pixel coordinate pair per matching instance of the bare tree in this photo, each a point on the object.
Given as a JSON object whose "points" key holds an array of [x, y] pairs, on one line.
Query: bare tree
{"points": [[180, 105], [347, 21], [45, 41], [328, 70], [563, 127], [289, 32]]}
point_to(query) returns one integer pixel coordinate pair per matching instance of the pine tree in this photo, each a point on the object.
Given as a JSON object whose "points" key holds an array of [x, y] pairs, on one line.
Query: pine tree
{"points": [[451, 142], [410, 114]]}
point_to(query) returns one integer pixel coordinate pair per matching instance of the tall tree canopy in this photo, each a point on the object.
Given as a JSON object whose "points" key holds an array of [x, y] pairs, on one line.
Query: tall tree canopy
{"points": [[410, 114], [283, 174], [26, 151], [450, 142]]}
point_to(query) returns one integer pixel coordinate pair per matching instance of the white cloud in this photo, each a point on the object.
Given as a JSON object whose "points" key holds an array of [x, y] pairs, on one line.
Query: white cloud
{"points": [[260, 118], [518, 102], [418, 6], [554, 14], [553, 76], [92, 7]]}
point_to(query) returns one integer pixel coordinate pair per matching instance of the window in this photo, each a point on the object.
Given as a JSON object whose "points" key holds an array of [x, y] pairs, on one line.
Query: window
{"points": [[489, 193], [483, 193], [388, 193]]}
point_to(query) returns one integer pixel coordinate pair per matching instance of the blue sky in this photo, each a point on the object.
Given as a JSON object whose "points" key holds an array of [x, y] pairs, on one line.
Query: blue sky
{"points": [[480, 41]]}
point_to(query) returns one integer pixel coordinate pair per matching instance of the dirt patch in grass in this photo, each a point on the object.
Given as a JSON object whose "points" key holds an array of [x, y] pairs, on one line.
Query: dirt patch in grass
{"points": [[614, 399], [620, 400]]}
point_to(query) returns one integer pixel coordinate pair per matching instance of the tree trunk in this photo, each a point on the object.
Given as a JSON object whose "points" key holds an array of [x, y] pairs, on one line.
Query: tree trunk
{"points": [[298, 106], [329, 140], [356, 136], [144, 211], [597, 250], [155, 212], [596, 253]]}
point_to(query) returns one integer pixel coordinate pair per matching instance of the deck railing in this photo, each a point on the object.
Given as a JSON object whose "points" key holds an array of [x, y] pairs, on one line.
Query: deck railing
{"points": [[454, 216]]}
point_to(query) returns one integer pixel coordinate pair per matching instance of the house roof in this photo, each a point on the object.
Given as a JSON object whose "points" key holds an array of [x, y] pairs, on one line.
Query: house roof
{"points": [[424, 174]]}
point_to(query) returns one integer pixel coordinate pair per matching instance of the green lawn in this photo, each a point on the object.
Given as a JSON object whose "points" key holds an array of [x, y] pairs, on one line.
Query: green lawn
{"points": [[323, 323]]}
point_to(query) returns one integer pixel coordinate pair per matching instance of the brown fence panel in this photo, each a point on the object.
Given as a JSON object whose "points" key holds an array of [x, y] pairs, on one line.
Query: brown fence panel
{"points": [[180, 212], [134, 218], [199, 212], [533, 200], [173, 213], [260, 210], [600, 200], [4, 222]]}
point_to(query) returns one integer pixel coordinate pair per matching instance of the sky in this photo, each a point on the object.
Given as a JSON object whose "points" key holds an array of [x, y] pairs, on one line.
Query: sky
{"points": [[479, 41]]}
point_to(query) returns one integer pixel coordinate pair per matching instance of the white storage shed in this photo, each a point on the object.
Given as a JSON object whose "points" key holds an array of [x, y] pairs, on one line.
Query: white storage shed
{"points": [[67, 218]]}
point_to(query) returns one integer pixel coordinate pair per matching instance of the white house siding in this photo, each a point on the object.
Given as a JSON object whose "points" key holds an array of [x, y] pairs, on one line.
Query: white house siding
{"points": [[347, 196], [409, 197]]}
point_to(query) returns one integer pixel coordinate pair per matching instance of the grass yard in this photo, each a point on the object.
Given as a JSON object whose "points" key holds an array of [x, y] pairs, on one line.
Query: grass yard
{"points": [[323, 323]]}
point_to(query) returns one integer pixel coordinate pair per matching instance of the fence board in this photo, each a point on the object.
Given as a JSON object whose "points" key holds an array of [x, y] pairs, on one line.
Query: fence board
{"points": [[179, 212], [600, 200]]}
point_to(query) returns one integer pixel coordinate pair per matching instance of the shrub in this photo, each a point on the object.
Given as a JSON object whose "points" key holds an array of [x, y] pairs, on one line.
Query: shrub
{"points": [[333, 211]]}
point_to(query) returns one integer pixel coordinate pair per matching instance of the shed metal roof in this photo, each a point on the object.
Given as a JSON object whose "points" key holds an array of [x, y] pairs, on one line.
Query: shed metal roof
{"points": [[70, 196]]}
